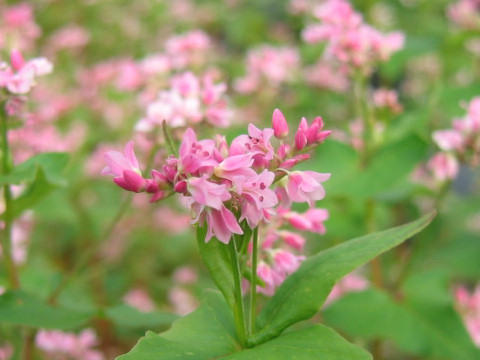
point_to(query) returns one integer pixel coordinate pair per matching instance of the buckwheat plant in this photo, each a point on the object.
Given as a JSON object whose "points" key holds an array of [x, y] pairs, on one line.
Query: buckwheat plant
{"points": [[240, 196]]}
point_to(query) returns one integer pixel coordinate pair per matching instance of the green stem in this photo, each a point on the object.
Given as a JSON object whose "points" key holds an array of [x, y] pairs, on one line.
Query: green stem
{"points": [[238, 310], [6, 239], [253, 283]]}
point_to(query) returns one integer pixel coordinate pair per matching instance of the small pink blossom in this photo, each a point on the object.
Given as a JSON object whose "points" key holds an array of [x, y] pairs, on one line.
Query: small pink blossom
{"points": [[139, 299], [444, 166], [302, 186], [125, 169]]}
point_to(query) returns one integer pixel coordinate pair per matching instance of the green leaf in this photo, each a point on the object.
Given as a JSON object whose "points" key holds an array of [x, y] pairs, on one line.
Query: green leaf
{"points": [[20, 308], [50, 164], [206, 333], [126, 316], [432, 329], [302, 294], [216, 256], [313, 343]]}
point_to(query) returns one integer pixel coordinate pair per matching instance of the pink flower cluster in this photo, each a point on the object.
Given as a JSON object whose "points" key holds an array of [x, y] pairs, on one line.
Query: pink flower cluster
{"points": [[18, 77], [352, 43], [461, 143], [268, 65], [226, 185], [468, 305], [63, 345], [281, 249], [189, 101], [18, 27], [465, 14]]}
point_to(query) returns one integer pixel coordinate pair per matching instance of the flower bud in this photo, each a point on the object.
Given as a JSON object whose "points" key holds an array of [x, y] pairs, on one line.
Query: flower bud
{"points": [[279, 124]]}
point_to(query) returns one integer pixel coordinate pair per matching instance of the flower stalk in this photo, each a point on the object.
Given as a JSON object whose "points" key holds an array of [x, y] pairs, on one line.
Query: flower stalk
{"points": [[253, 284], [239, 308]]}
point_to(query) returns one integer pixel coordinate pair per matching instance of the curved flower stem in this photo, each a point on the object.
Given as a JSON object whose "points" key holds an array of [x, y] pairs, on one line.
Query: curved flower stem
{"points": [[238, 310], [6, 238], [253, 284]]}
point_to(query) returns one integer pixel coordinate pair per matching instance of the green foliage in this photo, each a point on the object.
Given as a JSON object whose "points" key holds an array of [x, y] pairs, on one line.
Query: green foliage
{"points": [[302, 294], [216, 257], [209, 333], [20, 308], [422, 321]]}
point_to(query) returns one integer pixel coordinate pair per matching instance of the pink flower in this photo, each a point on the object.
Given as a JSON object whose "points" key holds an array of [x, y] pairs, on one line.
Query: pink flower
{"points": [[208, 193], [444, 166], [449, 139], [256, 141], [292, 239], [349, 283], [63, 344], [286, 262], [271, 278], [236, 166], [197, 157], [256, 196], [221, 223], [125, 169], [302, 186], [22, 81], [140, 300], [308, 135], [311, 220], [279, 124]]}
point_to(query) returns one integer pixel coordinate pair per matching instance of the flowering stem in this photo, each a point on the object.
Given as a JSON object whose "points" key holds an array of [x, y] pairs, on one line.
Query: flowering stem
{"points": [[6, 239], [238, 310], [253, 283]]}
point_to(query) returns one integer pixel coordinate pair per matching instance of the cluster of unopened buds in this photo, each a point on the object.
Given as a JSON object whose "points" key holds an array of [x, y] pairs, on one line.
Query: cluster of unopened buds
{"points": [[350, 42], [230, 188], [461, 143]]}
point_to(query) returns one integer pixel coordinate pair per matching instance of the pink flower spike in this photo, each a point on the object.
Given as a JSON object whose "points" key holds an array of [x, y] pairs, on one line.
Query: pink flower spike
{"points": [[449, 139], [17, 60], [279, 124]]}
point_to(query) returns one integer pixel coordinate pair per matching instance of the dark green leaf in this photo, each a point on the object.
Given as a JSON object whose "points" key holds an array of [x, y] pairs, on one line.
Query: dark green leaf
{"points": [[206, 333]]}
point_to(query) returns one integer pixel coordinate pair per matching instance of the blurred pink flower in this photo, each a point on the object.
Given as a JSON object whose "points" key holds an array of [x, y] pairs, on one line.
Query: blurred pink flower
{"points": [[139, 299]]}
